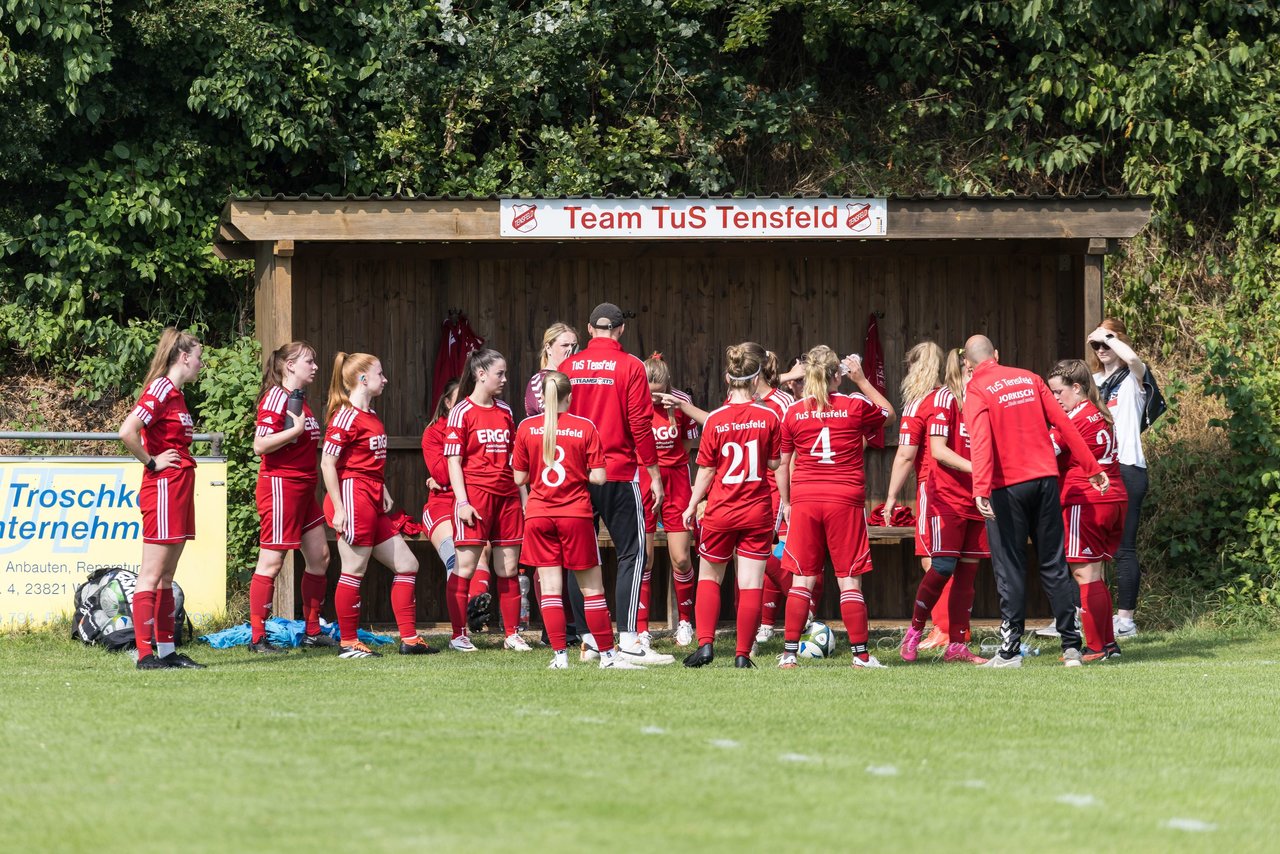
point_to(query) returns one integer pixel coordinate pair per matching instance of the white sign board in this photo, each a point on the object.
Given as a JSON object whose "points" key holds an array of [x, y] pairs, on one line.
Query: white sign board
{"points": [[699, 219]]}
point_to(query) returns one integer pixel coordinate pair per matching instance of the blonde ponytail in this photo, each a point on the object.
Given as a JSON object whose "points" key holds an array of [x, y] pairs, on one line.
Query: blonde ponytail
{"points": [[172, 343], [555, 388], [924, 372], [955, 374], [821, 366]]}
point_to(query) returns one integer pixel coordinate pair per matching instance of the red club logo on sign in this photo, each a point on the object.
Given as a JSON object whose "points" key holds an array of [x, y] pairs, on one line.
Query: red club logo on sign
{"points": [[859, 217], [524, 217]]}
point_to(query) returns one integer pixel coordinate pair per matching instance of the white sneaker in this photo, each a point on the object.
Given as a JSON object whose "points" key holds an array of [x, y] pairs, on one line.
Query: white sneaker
{"points": [[516, 643], [764, 634], [872, 662], [462, 643], [684, 633], [559, 662], [645, 639], [786, 660], [643, 655], [589, 652], [612, 660], [1072, 658], [1123, 628], [1049, 631], [998, 661]]}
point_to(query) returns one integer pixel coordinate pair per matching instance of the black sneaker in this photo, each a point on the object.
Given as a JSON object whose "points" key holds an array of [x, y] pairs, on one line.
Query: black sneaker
{"points": [[152, 662], [265, 647], [1110, 651], [177, 659], [320, 639], [418, 646], [704, 654], [478, 611], [743, 662]]}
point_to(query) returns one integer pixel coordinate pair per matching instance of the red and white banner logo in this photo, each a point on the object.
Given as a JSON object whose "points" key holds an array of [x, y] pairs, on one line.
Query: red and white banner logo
{"points": [[859, 217], [524, 218]]}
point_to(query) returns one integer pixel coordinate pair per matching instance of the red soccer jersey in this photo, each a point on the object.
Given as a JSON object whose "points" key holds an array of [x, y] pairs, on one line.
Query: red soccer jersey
{"points": [[1008, 412], [611, 390], [670, 434], [359, 441], [433, 452], [738, 441], [298, 458], [166, 424], [950, 492], [482, 436], [1100, 438], [779, 401], [913, 430], [828, 447], [559, 489]]}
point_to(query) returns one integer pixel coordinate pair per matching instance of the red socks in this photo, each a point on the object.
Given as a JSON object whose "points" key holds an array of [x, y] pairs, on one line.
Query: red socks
{"points": [[346, 601], [799, 602], [748, 618], [404, 604], [553, 621], [165, 617], [455, 599], [598, 624], [960, 604], [1095, 615], [480, 584], [144, 620], [684, 585], [941, 613], [776, 582], [853, 609], [508, 601], [708, 610], [261, 589], [927, 595], [314, 587], [642, 611]]}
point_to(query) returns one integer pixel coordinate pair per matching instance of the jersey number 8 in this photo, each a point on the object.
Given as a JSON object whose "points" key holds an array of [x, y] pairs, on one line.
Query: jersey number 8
{"points": [[554, 474]]}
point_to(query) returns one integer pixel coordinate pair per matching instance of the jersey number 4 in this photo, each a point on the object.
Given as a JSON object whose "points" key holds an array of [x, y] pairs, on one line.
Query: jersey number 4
{"points": [[822, 447], [740, 454]]}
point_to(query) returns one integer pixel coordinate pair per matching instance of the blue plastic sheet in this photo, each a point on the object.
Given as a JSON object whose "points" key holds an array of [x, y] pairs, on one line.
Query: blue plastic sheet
{"points": [[283, 633]]}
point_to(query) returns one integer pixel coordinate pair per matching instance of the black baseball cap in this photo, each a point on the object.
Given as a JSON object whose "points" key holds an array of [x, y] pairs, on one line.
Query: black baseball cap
{"points": [[607, 316]]}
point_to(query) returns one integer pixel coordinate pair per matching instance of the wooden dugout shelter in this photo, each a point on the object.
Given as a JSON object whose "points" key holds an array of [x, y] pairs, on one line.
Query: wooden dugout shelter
{"points": [[379, 274]]}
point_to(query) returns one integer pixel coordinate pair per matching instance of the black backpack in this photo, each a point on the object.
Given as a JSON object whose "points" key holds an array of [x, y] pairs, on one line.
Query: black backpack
{"points": [[104, 610], [1155, 402]]}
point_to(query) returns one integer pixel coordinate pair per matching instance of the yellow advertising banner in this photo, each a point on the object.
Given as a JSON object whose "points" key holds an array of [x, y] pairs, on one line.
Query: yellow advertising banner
{"points": [[63, 517]]}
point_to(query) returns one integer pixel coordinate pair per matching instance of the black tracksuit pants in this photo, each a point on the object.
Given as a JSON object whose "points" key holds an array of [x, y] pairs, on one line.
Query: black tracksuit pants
{"points": [[618, 505], [1030, 509]]}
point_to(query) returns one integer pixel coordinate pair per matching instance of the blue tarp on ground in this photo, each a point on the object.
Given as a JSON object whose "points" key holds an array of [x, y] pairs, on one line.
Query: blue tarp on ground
{"points": [[282, 632]]}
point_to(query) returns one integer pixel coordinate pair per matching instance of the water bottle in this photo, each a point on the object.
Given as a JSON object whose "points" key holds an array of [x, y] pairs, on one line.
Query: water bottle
{"points": [[525, 587], [1027, 649], [296, 397]]}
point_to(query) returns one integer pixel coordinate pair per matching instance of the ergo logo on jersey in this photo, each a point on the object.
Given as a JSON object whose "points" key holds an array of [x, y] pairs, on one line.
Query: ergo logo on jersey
{"points": [[378, 443], [666, 434], [489, 436], [186, 420]]}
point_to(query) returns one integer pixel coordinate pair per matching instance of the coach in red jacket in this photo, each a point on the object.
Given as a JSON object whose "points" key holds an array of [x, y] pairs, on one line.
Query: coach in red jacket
{"points": [[611, 390], [1015, 485]]}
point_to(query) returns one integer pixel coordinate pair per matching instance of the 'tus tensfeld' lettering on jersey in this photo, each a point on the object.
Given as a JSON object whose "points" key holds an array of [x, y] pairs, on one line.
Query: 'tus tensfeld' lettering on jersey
{"points": [[741, 425]]}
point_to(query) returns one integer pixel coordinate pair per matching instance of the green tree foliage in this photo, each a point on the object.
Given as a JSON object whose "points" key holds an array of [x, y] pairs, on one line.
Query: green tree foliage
{"points": [[124, 124]]}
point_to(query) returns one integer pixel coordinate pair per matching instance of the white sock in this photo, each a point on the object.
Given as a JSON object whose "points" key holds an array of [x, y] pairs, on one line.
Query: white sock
{"points": [[590, 641], [164, 650], [628, 640]]}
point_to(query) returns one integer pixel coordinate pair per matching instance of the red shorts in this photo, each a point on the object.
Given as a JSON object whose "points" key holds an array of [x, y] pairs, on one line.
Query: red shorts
{"points": [[437, 511], [559, 541], [819, 528], [956, 536], [1093, 531], [676, 492], [366, 524], [500, 521], [287, 508], [922, 521], [719, 546], [168, 507]]}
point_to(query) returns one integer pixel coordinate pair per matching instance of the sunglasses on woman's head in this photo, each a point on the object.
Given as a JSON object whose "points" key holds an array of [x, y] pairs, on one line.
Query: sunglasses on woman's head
{"points": [[1098, 345]]}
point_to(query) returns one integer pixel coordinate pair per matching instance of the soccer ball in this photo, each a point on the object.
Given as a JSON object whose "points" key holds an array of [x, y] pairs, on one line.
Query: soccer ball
{"points": [[818, 642]]}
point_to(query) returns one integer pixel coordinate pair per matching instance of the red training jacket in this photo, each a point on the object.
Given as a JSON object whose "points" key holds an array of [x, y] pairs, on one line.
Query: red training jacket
{"points": [[611, 390], [1008, 412]]}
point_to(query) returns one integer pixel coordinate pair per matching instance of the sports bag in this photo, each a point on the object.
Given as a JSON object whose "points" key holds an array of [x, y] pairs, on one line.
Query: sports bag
{"points": [[104, 610], [1155, 402]]}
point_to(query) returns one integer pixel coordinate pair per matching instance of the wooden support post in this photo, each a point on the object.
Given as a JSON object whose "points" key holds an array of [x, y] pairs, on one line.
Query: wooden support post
{"points": [[1094, 267], [273, 318]]}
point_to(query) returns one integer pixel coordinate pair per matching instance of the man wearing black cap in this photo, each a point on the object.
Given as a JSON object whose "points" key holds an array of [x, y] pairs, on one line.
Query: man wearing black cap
{"points": [[611, 390]]}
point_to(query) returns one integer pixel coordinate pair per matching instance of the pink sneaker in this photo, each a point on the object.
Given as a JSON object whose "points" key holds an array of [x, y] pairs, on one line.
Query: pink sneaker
{"points": [[910, 642], [961, 652]]}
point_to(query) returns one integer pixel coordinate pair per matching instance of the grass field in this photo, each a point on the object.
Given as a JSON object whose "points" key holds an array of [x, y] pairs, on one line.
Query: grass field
{"points": [[1175, 748]]}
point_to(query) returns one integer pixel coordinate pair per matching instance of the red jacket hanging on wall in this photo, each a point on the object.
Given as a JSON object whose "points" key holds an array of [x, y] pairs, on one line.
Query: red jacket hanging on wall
{"points": [[873, 367], [457, 341]]}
